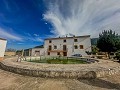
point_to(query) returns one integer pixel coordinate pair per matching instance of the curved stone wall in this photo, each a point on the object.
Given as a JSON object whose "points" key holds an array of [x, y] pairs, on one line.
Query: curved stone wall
{"points": [[95, 70]]}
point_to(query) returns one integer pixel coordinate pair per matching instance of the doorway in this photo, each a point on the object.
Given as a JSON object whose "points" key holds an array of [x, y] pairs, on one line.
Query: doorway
{"points": [[50, 48], [64, 53]]}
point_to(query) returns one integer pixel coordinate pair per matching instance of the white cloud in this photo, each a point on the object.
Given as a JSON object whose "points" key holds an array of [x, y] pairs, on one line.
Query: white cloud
{"points": [[10, 36], [32, 38], [81, 17], [39, 39], [21, 38], [36, 35], [13, 37], [20, 43]]}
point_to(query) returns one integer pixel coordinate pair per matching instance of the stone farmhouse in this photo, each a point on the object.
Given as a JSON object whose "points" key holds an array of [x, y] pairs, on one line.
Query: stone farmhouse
{"points": [[67, 46], [64, 46]]}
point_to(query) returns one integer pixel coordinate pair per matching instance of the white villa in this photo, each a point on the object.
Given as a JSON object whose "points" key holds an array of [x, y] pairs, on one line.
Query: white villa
{"points": [[64, 46], [67, 46], [3, 43]]}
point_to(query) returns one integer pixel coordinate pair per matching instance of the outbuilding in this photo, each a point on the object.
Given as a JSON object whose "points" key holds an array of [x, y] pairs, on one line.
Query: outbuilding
{"points": [[3, 43]]}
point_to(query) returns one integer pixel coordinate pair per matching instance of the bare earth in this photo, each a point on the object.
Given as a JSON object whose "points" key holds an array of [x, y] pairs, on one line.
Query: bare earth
{"points": [[11, 81]]}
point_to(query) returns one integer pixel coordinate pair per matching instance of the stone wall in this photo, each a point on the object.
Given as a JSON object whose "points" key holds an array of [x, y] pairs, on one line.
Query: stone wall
{"points": [[38, 70]]}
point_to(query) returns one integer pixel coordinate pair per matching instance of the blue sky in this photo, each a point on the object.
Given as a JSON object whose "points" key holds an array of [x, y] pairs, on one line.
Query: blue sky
{"points": [[26, 23], [22, 23]]}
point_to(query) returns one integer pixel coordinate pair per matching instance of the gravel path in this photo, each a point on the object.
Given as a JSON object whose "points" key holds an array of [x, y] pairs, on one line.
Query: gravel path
{"points": [[11, 81]]}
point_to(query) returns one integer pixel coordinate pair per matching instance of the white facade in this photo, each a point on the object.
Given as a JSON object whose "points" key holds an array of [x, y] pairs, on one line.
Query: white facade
{"points": [[3, 43], [67, 46], [37, 51]]}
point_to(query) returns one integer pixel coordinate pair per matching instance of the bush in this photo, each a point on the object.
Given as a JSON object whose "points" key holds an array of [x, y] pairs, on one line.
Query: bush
{"points": [[117, 55], [94, 50], [99, 57], [88, 52]]}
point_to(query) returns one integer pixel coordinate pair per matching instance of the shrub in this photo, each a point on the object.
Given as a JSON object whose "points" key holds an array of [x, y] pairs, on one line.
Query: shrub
{"points": [[99, 57], [88, 52], [117, 55]]}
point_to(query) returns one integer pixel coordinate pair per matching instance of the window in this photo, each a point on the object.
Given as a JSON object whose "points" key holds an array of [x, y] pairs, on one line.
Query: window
{"points": [[50, 48], [48, 53], [64, 40], [76, 47], [81, 46], [50, 41], [58, 53], [37, 51], [75, 40], [55, 47], [64, 47]]}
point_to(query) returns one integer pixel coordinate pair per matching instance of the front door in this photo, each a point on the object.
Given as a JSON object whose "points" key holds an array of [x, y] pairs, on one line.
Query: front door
{"points": [[64, 53]]}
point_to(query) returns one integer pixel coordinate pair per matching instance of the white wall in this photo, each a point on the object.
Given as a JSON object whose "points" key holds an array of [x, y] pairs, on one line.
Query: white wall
{"points": [[41, 51], [2, 47]]}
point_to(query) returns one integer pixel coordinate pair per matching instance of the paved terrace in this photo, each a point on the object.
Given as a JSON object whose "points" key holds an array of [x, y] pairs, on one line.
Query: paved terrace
{"points": [[95, 70]]}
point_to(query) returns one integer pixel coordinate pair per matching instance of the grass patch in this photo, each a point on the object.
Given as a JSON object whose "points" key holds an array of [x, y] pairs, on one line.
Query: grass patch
{"points": [[59, 61], [65, 61]]}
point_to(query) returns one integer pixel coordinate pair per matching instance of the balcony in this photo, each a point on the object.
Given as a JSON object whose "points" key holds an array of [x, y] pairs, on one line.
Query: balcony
{"points": [[57, 50]]}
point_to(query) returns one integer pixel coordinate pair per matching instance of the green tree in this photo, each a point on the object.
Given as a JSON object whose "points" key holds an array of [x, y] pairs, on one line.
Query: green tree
{"points": [[117, 55], [94, 49], [108, 42], [18, 52]]}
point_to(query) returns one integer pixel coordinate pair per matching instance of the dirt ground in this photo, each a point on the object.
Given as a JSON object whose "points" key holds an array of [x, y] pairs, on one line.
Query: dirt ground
{"points": [[11, 81]]}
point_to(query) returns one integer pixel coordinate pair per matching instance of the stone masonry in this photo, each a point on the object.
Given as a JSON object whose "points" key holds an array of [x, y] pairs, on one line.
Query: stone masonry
{"points": [[95, 70]]}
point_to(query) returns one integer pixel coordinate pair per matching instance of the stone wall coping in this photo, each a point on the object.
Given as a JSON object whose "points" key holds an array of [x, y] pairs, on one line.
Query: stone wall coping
{"points": [[100, 69]]}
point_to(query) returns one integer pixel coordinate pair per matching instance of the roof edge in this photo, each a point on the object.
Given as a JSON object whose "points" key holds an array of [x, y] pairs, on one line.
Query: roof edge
{"points": [[3, 39], [67, 37]]}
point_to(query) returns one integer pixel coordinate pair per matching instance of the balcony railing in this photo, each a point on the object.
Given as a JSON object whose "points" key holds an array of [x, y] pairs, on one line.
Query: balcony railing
{"points": [[57, 50]]}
